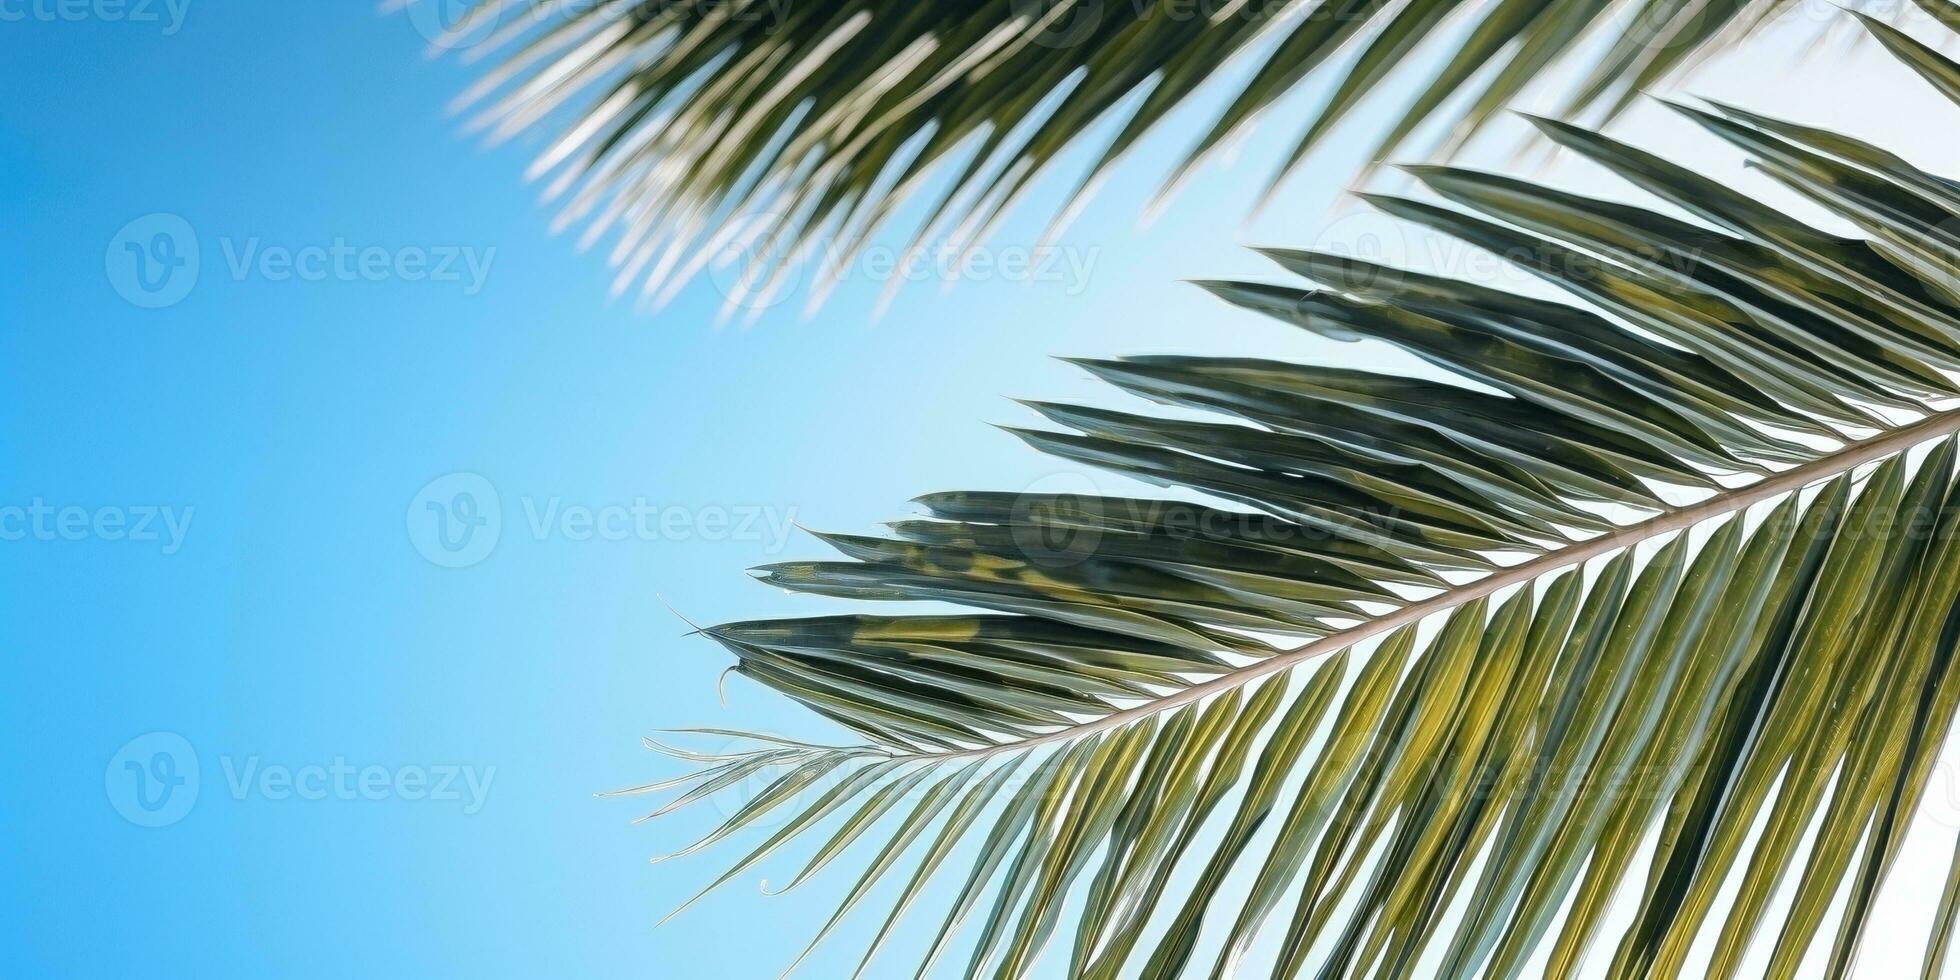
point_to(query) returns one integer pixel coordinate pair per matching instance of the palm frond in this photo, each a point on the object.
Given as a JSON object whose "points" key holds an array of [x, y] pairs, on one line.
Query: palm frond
{"points": [[1685, 559], [782, 132]]}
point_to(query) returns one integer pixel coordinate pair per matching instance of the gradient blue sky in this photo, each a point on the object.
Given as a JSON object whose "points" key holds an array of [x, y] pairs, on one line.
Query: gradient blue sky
{"points": [[296, 422]]}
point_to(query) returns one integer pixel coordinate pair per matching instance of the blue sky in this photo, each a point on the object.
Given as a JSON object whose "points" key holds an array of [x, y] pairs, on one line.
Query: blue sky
{"points": [[289, 425], [280, 610]]}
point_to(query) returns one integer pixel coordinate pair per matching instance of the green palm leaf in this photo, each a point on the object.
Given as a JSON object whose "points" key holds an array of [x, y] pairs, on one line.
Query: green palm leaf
{"points": [[777, 128], [1412, 703]]}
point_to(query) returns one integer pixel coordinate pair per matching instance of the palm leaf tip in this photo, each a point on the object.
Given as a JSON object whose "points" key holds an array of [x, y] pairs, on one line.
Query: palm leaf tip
{"points": [[1432, 660]]}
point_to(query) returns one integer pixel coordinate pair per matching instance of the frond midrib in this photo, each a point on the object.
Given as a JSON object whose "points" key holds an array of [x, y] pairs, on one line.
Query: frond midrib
{"points": [[1845, 459]]}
